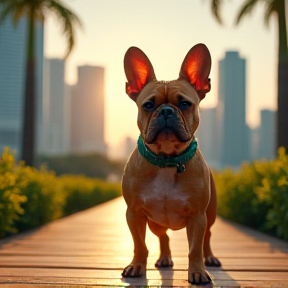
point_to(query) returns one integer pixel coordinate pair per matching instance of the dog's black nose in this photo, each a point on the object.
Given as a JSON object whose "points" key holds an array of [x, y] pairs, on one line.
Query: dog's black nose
{"points": [[166, 111]]}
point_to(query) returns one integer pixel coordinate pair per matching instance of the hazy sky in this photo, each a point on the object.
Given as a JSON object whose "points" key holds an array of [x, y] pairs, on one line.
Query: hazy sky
{"points": [[165, 30]]}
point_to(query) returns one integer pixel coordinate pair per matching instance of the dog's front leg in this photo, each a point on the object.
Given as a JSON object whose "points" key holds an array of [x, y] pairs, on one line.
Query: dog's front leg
{"points": [[195, 233], [137, 224]]}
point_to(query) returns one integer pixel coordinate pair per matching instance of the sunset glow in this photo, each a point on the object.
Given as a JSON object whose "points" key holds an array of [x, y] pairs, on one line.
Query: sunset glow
{"points": [[165, 30]]}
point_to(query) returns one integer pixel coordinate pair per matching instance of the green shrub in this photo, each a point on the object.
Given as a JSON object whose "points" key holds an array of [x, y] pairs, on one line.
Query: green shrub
{"points": [[274, 191], [91, 165], [11, 198], [83, 193], [30, 198], [256, 195], [45, 198]]}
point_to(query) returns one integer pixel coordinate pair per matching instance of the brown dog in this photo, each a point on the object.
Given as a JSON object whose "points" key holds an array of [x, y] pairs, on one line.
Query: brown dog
{"points": [[166, 182]]}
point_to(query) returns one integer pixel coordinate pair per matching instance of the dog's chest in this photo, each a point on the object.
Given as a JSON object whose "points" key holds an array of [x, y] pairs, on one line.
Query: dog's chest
{"points": [[164, 201]]}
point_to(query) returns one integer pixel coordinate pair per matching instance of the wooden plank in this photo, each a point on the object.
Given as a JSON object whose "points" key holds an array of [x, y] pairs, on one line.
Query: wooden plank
{"points": [[164, 283], [151, 274], [92, 247], [92, 262], [104, 277]]}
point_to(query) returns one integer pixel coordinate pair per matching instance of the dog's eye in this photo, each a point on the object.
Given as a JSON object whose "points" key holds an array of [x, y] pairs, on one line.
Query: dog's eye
{"points": [[149, 106], [184, 105]]}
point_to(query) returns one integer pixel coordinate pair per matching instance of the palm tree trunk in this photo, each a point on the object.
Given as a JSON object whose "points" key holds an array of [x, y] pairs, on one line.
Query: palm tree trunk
{"points": [[28, 137], [282, 114]]}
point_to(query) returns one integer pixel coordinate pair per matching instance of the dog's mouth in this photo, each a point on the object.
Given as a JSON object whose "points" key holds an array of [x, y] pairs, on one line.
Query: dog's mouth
{"points": [[166, 133], [163, 127]]}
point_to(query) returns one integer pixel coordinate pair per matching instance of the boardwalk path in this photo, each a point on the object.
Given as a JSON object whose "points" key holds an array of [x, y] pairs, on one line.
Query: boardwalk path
{"points": [[90, 248]]}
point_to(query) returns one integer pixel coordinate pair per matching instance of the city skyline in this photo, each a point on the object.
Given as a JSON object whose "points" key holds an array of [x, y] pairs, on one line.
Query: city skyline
{"points": [[209, 130], [112, 31], [12, 71], [223, 132], [165, 31], [224, 137], [54, 99]]}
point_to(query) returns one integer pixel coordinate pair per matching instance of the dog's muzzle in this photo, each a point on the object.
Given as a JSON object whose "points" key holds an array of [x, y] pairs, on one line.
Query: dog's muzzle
{"points": [[166, 119]]}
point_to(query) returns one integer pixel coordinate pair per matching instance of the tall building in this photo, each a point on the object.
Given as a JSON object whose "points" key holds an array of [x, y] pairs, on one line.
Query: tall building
{"points": [[87, 113], [206, 134], [12, 82], [56, 107], [254, 143], [267, 134], [233, 137]]}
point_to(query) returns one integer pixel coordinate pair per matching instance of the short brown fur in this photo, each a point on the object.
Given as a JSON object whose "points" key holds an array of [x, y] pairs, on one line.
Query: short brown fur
{"points": [[162, 197]]}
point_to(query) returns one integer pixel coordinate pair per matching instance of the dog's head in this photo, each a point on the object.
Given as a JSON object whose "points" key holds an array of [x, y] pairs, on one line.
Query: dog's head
{"points": [[168, 111]]}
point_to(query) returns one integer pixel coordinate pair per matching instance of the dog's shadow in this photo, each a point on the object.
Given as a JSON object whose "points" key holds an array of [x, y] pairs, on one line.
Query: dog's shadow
{"points": [[134, 282], [169, 279], [165, 279], [166, 276]]}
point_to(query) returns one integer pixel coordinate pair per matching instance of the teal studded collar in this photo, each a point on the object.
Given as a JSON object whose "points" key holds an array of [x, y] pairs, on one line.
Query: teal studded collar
{"points": [[172, 161]]}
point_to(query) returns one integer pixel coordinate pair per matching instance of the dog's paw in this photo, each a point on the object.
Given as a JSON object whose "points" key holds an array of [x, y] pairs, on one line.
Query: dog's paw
{"points": [[212, 261], [164, 261], [134, 270], [199, 278]]}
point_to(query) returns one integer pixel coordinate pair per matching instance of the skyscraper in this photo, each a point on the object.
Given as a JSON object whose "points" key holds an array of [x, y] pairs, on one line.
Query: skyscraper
{"points": [[12, 81], [87, 114], [56, 106], [267, 134], [207, 134], [233, 141]]}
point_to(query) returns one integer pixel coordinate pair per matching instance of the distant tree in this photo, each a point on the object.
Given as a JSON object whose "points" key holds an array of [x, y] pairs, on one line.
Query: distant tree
{"points": [[277, 8], [35, 10]]}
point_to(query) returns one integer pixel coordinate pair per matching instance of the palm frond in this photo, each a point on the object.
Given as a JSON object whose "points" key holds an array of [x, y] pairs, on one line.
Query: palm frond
{"points": [[271, 7], [215, 7], [14, 8], [20, 10], [68, 19], [246, 9], [39, 8], [6, 10]]}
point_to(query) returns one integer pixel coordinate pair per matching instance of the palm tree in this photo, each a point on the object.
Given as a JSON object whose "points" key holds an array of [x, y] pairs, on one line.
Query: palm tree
{"points": [[35, 10], [276, 7]]}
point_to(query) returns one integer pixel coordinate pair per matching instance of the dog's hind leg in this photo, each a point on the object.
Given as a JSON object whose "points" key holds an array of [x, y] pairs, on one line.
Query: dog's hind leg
{"points": [[165, 259], [211, 212]]}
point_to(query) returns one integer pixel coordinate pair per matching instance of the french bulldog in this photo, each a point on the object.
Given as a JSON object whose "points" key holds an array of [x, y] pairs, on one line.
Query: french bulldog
{"points": [[166, 182]]}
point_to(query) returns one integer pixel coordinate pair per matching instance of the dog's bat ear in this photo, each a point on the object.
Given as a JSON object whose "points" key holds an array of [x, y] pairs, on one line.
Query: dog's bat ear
{"points": [[196, 68], [139, 71]]}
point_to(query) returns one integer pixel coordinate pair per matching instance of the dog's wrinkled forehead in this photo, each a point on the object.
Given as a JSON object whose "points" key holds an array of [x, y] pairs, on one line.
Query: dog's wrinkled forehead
{"points": [[166, 83], [167, 92]]}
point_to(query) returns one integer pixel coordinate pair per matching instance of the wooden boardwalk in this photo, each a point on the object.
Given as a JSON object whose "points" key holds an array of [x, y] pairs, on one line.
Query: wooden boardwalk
{"points": [[90, 248]]}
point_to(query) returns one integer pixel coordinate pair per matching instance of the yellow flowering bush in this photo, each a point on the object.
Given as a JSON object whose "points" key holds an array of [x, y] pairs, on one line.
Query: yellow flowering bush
{"points": [[31, 197], [45, 198], [256, 195], [11, 197]]}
